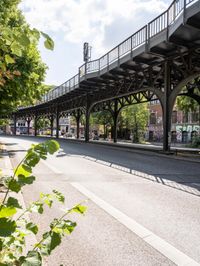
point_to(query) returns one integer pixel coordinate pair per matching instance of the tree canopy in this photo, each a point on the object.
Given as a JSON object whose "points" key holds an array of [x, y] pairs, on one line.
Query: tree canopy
{"points": [[21, 68], [185, 102], [135, 118]]}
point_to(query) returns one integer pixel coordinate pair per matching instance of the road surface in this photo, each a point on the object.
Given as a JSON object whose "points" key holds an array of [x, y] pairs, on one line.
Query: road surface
{"points": [[143, 208]]}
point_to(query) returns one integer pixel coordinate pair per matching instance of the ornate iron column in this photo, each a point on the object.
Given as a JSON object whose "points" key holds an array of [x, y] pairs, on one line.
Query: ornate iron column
{"points": [[36, 118], [166, 107], [28, 123], [51, 124], [115, 118], [77, 116], [87, 119], [57, 123]]}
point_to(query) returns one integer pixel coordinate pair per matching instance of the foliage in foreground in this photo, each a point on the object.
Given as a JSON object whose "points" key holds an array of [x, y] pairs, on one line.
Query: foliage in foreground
{"points": [[14, 224], [21, 68]]}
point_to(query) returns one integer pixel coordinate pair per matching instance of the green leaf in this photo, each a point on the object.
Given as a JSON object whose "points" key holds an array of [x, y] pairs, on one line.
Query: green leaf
{"points": [[16, 49], [79, 209], [9, 59], [46, 36], [41, 149], [36, 33], [59, 196], [47, 198], [32, 159], [52, 146], [13, 185], [7, 211], [24, 170], [37, 207], [3, 66], [7, 227], [13, 202], [26, 180], [23, 40], [52, 240], [27, 168], [64, 226], [1, 246], [32, 227], [33, 258], [49, 43]]}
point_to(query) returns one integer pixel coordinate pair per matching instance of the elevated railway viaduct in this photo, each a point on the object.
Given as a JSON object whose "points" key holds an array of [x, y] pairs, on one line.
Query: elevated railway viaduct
{"points": [[161, 60]]}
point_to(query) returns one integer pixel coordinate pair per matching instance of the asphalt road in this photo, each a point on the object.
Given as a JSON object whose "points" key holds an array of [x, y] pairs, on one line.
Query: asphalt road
{"points": [[159, 193]]}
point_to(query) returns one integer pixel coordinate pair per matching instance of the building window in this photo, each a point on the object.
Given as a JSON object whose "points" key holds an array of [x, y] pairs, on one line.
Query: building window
{"points": [[174, 117], [153, 118]]}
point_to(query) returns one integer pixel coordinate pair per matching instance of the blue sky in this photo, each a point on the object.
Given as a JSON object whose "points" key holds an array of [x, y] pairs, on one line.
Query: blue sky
{"points": [[102, 23]]}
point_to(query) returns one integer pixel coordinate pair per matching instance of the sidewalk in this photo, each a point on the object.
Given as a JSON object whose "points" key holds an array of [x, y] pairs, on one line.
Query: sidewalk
{"points": [[7, 170], [5, 164]]}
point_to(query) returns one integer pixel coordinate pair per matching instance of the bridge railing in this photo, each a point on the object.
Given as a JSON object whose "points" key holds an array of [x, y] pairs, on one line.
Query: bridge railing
{"points": [[142, 36]]}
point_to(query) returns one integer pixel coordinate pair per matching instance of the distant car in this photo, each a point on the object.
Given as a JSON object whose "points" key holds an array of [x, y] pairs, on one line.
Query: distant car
{"points": [[96, 137]]}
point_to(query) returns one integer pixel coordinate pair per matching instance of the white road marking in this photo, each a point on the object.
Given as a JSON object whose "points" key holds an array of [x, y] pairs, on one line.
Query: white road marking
{"points": [[149, 237], [51, 167]]}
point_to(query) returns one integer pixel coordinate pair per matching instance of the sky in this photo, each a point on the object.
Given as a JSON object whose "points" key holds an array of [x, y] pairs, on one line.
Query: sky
{"points": [[70, 23]]}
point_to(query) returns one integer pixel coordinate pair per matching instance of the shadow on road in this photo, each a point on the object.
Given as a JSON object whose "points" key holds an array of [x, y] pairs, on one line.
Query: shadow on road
{"points": [[178, 174], [181, 175]]}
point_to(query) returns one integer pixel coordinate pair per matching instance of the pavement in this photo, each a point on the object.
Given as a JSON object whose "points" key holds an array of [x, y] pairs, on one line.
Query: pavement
{"points": [[143, 207]]}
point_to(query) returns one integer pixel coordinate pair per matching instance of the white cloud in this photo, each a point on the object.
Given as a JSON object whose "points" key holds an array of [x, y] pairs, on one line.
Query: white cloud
{"points": [[102, 23], [89, 20]]}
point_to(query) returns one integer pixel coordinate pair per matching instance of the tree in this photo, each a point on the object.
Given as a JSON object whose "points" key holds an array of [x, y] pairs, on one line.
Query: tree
{"points": [[21, 68], [135, 117], [42, 123], [103, 118], [187, 104]]}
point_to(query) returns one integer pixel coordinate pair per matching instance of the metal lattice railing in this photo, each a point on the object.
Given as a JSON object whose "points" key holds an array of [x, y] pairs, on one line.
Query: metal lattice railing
{"points": [[139, 38]]}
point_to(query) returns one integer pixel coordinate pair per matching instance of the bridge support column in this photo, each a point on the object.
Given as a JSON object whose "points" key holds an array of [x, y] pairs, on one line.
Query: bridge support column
{"points": [[167, 108], [78, 116], [28, 124], [57, 123], [51, 124], [35, 123], [115, 118], [15, 124], [87, 125], [87, 120]]}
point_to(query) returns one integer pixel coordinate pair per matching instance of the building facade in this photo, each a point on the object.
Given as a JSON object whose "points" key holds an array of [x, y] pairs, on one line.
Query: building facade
{"points": [[184, 127]]}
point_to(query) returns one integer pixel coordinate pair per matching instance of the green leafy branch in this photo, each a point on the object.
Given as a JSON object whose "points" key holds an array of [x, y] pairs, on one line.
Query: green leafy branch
{"points": [[14, 228]]}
